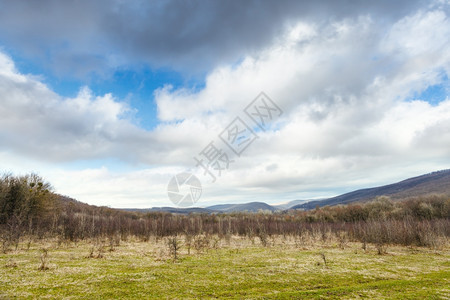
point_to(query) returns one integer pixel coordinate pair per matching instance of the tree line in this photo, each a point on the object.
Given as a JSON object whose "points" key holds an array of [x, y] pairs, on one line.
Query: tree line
{"points": [[29, 209]]}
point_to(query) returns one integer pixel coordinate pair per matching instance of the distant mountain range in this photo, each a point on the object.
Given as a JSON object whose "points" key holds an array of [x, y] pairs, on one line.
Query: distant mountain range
{"points": [[221, 208], [250, 207], [432, 183], [290, 204]]}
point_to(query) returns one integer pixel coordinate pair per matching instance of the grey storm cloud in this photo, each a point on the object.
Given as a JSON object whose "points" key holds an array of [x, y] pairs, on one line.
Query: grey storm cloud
{"points": [[75, 38]]}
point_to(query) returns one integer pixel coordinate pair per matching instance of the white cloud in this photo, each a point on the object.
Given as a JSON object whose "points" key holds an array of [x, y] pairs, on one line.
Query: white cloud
{"points": [[83, 37], [141, 188], [345, 88], [421, 33], [39, 123]]}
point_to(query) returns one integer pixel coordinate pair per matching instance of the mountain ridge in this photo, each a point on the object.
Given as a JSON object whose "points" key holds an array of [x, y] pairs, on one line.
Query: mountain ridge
{"points": [[434, 182], [437, 182]]}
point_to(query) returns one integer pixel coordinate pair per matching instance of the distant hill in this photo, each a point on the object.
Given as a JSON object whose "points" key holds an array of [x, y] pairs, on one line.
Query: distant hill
{"points": [[290, 204], [175, 210], [220, 208], [432, 183], [246, 207]]}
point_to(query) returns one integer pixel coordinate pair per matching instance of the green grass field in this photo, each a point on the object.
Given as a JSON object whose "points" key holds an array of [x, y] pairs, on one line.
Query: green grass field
{"points": [[239, 269]]}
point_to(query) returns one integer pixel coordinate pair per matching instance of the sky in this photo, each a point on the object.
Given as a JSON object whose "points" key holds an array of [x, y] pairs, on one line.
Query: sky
{"points": [[110, 100]]}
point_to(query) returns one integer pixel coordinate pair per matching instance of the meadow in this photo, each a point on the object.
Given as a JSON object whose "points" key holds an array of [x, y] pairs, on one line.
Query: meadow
{"points": [[54, 247], [232, 267]]}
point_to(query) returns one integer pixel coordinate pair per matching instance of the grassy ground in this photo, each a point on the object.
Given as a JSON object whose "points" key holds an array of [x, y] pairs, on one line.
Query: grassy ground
{"points": [[239, 269]]}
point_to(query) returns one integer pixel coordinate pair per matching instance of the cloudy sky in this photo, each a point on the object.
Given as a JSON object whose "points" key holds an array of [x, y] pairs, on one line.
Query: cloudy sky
{"points": [[108, 100]]}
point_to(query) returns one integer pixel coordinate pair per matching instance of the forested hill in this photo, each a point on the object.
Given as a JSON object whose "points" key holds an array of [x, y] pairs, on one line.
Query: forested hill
{"points": [[29, 209], [432, 183]]}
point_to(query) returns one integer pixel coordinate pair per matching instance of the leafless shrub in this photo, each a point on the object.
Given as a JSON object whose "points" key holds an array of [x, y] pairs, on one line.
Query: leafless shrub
{"points": [[111, 245], [228, 237], [364, 245], [201, 243], [28, 245], [100, 250], [428, 235], [215, 242], [44, 260], [4, 237], [97, 245], [322, 255], [174, 245], [263, 237], [91, 252], [342, 239], [381, 248], [188, 240]]}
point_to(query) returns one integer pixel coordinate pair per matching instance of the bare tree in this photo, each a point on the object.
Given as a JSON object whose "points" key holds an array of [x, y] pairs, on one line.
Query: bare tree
{"points": [[174, 245]]}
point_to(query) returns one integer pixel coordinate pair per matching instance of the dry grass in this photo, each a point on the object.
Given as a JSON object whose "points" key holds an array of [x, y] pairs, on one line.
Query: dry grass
{"points": [[227, 268]]}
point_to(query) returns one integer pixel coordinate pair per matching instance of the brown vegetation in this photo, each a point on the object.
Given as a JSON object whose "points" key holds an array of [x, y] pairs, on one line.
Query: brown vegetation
{"points": [[28, 209]]}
